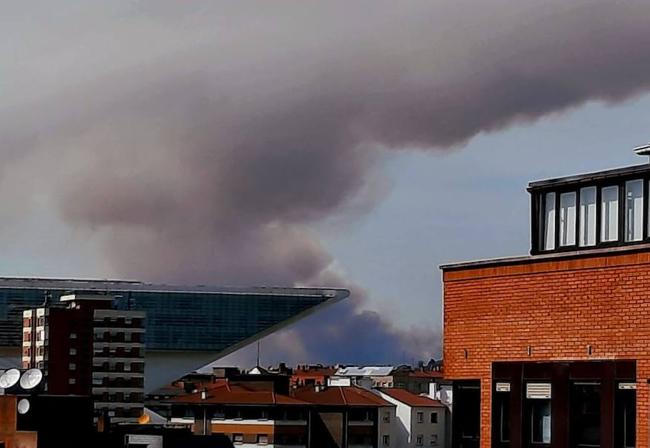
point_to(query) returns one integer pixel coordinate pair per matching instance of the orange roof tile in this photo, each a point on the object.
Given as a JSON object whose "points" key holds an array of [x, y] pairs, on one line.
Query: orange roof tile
{"points": [[411, 399], [231, 394], [340, 396], [426, 374]]}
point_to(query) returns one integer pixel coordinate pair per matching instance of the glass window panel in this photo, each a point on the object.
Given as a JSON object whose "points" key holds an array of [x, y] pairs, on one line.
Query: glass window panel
{"points": [[504, 418], [634, 210], [585, 414], [540, 421], [568, 219], [609, 214], [549, 221], [625, 418], [588, 216]]}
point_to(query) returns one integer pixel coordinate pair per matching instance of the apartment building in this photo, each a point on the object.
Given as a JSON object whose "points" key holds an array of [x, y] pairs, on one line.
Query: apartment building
{"points": [[421, 421], [85, 346], [254, 411]]}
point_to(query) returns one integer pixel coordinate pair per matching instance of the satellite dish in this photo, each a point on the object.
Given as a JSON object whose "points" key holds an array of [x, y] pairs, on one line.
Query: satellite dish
{"points": [[9, 378], [23, 406], [31, 378]]}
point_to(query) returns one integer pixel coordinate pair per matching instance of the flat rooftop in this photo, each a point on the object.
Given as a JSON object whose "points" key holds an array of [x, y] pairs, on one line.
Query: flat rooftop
{"points": [[523, 259], [590, 177]]}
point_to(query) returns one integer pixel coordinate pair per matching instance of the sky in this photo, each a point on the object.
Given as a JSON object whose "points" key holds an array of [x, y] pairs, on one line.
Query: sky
{"points": [[356, 144]]}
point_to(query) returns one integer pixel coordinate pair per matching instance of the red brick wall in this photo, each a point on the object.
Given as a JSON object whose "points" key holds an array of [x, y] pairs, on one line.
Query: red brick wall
{"points": [[558, 308]]}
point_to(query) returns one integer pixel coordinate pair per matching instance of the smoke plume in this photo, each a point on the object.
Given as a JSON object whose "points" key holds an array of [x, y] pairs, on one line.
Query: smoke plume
{"points": [[204, 142]]}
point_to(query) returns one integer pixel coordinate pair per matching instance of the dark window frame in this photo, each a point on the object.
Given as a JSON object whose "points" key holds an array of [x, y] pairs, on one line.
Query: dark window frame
{"points": [[538, 206]]}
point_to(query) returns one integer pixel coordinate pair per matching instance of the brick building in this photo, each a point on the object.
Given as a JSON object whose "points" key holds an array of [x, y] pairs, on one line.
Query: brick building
{"points": [[553, 349], [86, 347], [10, 436]]}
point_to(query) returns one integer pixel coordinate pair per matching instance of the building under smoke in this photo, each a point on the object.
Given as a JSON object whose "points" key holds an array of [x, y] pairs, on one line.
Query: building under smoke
{"points": [[186, 327]]}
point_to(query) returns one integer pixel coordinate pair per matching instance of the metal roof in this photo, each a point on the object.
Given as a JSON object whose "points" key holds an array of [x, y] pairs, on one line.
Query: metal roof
{"points": [[589, 177], [106, 285], [364, 371]]}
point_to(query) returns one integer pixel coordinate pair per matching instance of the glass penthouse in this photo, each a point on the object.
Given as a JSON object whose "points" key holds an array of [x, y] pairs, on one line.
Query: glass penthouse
{"points": [[187, 327]]}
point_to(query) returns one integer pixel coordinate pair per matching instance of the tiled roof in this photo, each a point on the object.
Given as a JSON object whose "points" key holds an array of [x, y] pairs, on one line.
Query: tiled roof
{"points": [[340, 396], [325, 371], [426, 374], [411, 399], [222, 392]]}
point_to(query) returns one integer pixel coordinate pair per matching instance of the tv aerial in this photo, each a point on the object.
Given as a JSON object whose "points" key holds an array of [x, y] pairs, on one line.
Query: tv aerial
{"points": [[9, 378], [31, 378], [23, 406]]}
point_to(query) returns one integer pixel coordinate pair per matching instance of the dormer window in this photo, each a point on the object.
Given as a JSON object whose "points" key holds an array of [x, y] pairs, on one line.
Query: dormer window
{"points": [[594, 210]]}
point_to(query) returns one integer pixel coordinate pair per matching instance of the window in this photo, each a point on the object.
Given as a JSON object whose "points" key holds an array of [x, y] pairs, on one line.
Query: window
{"points": [[386, 440], [549, 221], [73, 351], [625, 418], [419, 440], [72, 366], [502, 401], [634, 210], [585, 414], [540, 421], [434, 439], [262, 439], [420, 417], [434, 417], [609, 214], [238, 438], [73, 335], [568, 219], [72, 381], [587, 216]]}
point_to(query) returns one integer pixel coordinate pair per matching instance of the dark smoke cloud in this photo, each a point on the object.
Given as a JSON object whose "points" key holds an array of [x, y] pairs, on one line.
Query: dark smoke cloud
{"points": [[204, 143]]}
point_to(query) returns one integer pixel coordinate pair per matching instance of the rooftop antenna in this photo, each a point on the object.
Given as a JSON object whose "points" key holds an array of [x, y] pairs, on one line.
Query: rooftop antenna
{"points": [[258, 354], [643, 150]]}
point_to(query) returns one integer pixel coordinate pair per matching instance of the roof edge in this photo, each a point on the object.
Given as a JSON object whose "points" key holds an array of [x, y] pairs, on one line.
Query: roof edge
{"points": [[503, 261], [587, 177]]}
